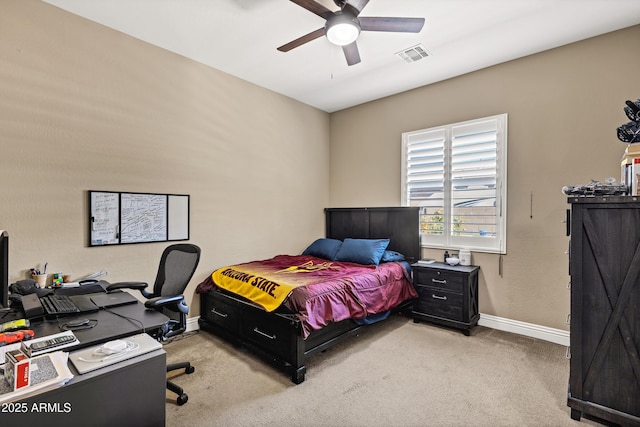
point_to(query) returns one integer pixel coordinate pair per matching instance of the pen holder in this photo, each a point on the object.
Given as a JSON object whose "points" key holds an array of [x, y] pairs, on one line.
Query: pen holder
{"points": [[41, 279]]}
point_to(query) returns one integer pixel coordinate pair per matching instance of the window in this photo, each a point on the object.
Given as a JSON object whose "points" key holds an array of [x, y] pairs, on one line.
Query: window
{"points": [[457, 174]]}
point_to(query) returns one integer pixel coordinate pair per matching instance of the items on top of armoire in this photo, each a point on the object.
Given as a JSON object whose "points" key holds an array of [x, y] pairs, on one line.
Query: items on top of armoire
{"points": [[630, 164], [597, 188], [630, 132]]}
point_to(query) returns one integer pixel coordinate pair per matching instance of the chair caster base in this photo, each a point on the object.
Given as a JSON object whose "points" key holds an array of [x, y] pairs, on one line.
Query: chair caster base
{"points": [[182, 399], [190, 370]]}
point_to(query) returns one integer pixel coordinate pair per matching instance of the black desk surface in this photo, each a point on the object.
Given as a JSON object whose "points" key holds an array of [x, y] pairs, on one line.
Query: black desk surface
{"points": [[112, 323]]}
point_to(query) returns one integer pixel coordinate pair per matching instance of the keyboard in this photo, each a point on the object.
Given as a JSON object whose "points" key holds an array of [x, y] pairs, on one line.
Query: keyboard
{"points": [[58, 304]]}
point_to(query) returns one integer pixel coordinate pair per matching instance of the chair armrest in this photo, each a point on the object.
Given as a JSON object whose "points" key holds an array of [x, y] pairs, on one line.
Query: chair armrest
{"points": [[130, 285], [169, 300]]}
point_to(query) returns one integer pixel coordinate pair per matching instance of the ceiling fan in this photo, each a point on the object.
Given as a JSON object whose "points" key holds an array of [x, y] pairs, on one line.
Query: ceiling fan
{"points": [[343, 27]]}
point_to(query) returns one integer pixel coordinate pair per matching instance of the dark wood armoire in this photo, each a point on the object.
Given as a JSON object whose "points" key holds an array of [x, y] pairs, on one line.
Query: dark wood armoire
{"points": [[604, 266]]}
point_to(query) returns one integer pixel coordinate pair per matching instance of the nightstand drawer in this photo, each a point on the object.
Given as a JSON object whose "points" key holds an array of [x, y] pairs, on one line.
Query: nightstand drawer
{"points": [[448, 280], [439, 303]]}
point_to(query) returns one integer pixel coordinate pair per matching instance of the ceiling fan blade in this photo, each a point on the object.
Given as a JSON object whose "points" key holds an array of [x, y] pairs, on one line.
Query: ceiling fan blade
{"points": [[314, 7], [401, 25], [351, 53], [302, 40], [355, 6]]}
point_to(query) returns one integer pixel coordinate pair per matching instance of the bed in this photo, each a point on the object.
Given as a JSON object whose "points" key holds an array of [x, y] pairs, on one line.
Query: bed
{"points": [[286, 333]]}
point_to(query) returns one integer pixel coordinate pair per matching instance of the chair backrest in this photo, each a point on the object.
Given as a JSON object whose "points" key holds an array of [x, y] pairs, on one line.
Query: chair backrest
{"points": [[177, 265]]}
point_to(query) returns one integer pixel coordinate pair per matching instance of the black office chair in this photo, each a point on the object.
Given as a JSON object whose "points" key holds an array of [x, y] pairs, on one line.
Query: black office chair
{"points": [[177, 265]]}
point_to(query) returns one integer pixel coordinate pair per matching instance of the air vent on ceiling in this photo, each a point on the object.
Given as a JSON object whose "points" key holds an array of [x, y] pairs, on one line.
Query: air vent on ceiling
{"points": [[414, 53]]}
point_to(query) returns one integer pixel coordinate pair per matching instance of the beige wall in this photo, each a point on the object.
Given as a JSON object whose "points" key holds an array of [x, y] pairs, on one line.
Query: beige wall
{"points": [[564, 106], [83, 107]]}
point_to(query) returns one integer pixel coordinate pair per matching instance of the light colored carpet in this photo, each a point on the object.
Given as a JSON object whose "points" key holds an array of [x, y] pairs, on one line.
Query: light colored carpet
{"points": [[395, 373]]}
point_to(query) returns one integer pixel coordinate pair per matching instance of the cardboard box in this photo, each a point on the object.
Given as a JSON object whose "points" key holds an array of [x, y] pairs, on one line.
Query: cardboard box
{"points": [[17, 369]]}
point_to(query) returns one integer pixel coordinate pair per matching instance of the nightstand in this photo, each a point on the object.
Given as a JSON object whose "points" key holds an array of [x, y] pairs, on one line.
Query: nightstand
{"points": [[447, 295]]}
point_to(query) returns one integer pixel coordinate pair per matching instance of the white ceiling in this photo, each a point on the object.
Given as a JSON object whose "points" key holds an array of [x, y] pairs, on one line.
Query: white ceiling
{"points": [[240, 37]]}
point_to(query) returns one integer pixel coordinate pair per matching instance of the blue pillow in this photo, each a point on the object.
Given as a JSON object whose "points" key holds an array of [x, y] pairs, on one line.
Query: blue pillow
{"points": [[391, 256], [323, 248], [362, 251]]}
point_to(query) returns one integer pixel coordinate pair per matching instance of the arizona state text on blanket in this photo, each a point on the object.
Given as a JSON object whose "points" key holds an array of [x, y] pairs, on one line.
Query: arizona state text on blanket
{"points": [[270, 283]]}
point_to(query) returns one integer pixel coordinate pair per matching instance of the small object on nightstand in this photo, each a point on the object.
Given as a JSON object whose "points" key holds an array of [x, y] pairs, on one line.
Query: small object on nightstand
{"points": [[465, 257]]}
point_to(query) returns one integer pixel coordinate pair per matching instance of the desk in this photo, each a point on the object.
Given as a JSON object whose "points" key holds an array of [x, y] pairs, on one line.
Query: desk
{"points": [[130, 392], [110, 324]]}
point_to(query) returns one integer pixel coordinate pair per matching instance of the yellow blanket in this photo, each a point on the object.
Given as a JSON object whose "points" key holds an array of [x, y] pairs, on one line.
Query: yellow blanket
{"points": [[268, 283]]}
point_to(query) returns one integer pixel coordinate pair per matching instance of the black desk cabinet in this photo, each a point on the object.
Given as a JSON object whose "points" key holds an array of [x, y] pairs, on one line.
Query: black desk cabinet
{"points": [[447, 295], [127, 393], [604, 264]]}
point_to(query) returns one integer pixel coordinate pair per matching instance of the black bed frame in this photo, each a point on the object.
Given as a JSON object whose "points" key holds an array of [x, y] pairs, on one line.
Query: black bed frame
{"points": [[276, 336]]}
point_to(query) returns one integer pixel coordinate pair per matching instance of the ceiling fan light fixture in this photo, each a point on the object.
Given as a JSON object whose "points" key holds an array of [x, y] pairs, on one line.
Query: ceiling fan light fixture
{"points": [[342, 29]]}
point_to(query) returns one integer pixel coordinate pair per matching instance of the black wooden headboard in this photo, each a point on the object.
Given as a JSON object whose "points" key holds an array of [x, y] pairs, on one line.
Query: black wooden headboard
{"points": [[399, 224]]}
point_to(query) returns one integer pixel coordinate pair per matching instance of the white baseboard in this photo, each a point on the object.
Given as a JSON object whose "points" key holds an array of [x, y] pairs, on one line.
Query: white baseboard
{"points": [[557, 336], [192, 324]]}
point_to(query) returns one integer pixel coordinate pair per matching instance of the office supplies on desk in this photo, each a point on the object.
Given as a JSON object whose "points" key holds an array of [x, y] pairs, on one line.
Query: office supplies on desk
{"points": [[31, 306], [14, 324], [99, 356], [90, 279], [77, 324], [4, 349], [16, 369], [78, 283], [113, 299], [83, 287], [48, 372], [49, 343], [11, 337], [64, 304]]}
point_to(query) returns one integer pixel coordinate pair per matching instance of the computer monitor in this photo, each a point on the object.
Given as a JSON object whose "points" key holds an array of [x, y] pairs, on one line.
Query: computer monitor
{"points": [[4, 269]]}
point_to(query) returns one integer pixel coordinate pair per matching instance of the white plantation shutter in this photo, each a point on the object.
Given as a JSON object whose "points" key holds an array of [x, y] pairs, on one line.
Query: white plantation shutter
{"points": [[457, 175], [425, 176]]}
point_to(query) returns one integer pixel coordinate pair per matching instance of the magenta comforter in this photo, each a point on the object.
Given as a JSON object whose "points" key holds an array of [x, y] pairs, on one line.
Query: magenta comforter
{"points": [[344, 291]]}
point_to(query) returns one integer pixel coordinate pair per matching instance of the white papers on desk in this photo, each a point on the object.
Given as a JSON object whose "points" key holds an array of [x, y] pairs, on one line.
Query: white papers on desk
{"points": [[70, 285], [48, 371]]}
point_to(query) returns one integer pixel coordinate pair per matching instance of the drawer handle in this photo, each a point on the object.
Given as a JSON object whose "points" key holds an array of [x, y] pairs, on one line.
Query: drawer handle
{"points": [[442, 282], [213, 310], [258, 331], [438, 297]]}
